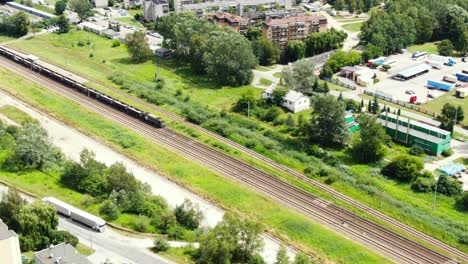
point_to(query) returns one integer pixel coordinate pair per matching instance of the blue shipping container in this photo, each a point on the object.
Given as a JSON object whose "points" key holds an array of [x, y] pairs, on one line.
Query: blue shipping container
{"points": [[462, 77], [440, 85]]}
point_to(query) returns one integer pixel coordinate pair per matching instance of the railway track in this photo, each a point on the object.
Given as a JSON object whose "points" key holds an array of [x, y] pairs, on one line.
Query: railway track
{"points": [[375, 213], [381, 239]]}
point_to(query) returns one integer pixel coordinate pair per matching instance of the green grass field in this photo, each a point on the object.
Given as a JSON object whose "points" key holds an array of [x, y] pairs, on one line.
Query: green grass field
{"points": [[4, 38], [201, 90], [450, 97], [278, 74], [265, 82], [16, 115], [430, 47], [129, 21], [278, 220], [353, 27]]}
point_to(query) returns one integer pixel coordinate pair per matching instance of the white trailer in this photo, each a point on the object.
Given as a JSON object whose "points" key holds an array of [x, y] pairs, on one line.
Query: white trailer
{"points": [[62, 207], [442, 59], [434, 64], [76, 214], [450, 78], [88, 219]]}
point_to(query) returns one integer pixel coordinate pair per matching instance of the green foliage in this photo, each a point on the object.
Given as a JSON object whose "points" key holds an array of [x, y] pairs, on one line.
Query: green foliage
{"points": [[370, 146], [62, 236], [253, 33], [371, 52], [160, 244], [447, 152], [300, 76], [340, 59], [271, 114], [247, 100], [278, 95], [16, 25], [282, 256], [445, 48], [265, 51], [404, 168], [83, 8], [448, 186], [138, 47], [293, 51], [462, 202], [63, 24], [317, 43], [110, 210], [449, 114], [422, 184], [188, 215], [60, 7], [115, 43], [231, 241], [416, 150], [302, 258], [328, 124]]}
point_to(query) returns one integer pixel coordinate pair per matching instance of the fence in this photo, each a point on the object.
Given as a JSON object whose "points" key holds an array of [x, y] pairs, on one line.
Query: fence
{"points": [[401, 103], [345, 85]]}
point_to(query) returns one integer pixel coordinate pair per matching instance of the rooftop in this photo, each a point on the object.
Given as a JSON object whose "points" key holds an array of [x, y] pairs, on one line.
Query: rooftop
{"points": [[417, 123], [413, 132], [230, 17], [293, 96], [413, 70], [293, 19], [65, 253], [4, 232], [350, 69]]}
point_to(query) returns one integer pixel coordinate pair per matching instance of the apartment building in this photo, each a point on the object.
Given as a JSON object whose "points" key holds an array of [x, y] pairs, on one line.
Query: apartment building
{"points": [[237, 23], [280, 31], [9, 245], [154, 9]]}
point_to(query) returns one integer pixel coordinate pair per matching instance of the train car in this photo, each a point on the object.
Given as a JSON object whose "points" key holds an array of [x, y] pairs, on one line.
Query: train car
{"points": [[154, 120], [119, 105], [134, 112], [106, 99]]}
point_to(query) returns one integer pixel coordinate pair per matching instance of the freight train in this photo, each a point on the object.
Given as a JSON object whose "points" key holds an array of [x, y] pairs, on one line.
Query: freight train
{"points": [[69, 82]]}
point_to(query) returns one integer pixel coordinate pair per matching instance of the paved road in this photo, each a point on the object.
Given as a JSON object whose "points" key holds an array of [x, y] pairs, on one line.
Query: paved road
{"points": [[110, 245]]}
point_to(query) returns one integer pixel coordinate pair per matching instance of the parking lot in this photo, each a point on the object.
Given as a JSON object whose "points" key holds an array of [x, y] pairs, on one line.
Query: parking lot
{"points": [[398, 89]]}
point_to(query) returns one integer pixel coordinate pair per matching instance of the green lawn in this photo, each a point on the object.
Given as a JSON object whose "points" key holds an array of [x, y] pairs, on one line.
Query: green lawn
{"points": [[199, 89], [353, 27], [16, 115], [129, 21], [278, 74], [265, 82], [292, 226], [4, 38], [437, 104], [430, 47]]}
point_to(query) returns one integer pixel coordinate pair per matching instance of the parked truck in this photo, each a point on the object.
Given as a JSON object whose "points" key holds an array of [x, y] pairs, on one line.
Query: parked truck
{"points": [[376, 62], [76, 214], [418, 54], [449, 61], [440, 85], [450, 78], [465, 71], [434, 64], [462, 77]]}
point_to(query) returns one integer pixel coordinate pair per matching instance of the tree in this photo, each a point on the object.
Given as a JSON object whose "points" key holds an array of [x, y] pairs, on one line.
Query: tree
{"points": [[339, 4], [33, 149], [253, 33], [340, 59], [445, 48], [60, 7], [325, 88], [315, 87], [63, 24], [320, 42], [265, 51], [375, 105], [422, 184], [282, 256], [294, 51], [328, 124], [138, 47], [462, 202], [302, 258], [451, 114], [448, 186], [371, 52], [245, 102], [83, 8], [278, 94], [231, 241], [110, 210], [230, 59], [188, 215], [10, 205], [290, 122], [370, 146], [160, 244], [62, 236], [300, 77], [16, 25], [404, 168], [340, 97]]}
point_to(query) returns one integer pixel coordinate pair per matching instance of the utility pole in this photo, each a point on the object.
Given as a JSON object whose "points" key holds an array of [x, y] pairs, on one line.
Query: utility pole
{"points": [[248, 108], [435, 195]]}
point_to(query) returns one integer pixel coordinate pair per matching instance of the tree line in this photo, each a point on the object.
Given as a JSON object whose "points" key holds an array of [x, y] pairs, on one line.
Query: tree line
{"points": [[18, 24], [354, 6], [405, 22]]}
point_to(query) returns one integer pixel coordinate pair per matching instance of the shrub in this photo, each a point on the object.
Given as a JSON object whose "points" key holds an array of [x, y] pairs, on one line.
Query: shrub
{"points": [[331, 179], [404, 168], [91, 55], [271, 114], [323, 173], [416, 150], [462, 203], [61, 236], [176, 232], [447, 153], [423, 185], [188, 215], [316, 151], [160, 244], [141, 224], [448, 186], [309, 171], [110, 210]]}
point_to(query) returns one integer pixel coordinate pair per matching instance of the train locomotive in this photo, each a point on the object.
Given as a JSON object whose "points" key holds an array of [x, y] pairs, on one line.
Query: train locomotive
{"points": [[69, 82]]}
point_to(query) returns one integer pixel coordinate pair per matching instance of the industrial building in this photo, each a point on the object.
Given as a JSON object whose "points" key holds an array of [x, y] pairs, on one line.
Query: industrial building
{"points": [[281, 31], [409, 132], [9, 245], [412, 71]]}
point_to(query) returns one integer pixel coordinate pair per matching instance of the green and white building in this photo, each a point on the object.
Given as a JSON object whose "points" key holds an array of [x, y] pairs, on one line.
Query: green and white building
{"points": [[410, 132]]}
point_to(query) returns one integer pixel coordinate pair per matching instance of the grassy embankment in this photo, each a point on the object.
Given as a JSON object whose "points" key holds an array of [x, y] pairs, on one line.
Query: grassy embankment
{"points": [[353, 27], [293, 227], [429, 47], [129, 21], [55, 47]]}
